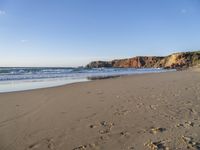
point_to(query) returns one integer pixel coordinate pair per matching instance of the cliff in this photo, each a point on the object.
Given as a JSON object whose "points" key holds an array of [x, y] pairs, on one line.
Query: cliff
{"points": [[180, 60], [174, 61]]}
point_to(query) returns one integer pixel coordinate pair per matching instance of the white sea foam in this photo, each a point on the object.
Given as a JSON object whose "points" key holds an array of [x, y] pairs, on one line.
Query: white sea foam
{"points": [[18, 79]]}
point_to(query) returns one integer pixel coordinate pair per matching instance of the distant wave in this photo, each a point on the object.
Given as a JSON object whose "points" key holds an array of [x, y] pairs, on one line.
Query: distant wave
{"points": [[18, 79], [16, 73]]}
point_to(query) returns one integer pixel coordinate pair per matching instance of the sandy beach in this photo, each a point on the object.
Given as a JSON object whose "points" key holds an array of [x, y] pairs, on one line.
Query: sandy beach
{"points": [[138, 112]]}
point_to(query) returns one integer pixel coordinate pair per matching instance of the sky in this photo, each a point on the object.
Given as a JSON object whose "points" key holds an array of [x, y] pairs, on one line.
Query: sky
{"points": [[63, 33]]}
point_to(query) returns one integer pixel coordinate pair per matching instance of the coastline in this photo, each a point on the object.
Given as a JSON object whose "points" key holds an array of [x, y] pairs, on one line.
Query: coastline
{"points": [[89, 79], [130, 112], [36, 79]]}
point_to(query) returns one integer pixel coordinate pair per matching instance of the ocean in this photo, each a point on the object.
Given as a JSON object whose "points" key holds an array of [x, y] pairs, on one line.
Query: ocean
{"points": [[26, 78]]}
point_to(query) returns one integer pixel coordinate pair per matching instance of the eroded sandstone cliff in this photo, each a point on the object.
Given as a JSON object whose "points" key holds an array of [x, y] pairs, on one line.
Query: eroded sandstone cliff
{"points": [[176, 60], [180, 60]]}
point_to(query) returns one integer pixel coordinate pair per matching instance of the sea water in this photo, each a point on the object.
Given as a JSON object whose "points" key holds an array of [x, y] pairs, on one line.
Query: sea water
{"points": [[20, 78]]}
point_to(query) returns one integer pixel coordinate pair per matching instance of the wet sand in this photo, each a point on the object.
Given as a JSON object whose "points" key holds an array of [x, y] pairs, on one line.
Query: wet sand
{"points": [[138, 112]]}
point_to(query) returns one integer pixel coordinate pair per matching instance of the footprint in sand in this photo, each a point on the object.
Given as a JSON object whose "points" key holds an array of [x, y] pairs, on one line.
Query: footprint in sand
{"points": [[33, 146], [107, 126], [43, 144], [124, 134], [153, 107], [131, 147], [157, 130], [84, 147], [103, 127], [121, 112], [192, 111], [190, 143], [158, 145], [185, 124], [92, 126], [104, 137], [140, 105]]}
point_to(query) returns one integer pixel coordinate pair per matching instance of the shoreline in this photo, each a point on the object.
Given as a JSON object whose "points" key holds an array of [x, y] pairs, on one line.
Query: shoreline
{"points": [[138, 111], [90, 79], [31, 78]]}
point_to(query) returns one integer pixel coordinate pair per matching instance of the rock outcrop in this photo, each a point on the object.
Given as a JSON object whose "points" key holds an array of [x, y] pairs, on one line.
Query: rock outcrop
{"points": [[180, 60], [137, 62], [99, 64], [174, 61]]}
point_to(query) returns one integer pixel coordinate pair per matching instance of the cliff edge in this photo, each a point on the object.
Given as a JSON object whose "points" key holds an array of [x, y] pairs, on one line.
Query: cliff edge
{"points": [[173, 61]]}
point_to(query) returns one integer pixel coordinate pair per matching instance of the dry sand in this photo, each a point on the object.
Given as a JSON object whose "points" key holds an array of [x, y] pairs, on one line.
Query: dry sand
{"points": [[151, 111]]}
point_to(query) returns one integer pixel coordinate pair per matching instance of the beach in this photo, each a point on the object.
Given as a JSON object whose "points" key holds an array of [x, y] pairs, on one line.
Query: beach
{"points": [[135, 112]]}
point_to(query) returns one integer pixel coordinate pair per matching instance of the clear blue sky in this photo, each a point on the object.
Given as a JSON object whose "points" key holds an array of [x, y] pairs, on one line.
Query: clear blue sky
{"points": [[74, 32]]}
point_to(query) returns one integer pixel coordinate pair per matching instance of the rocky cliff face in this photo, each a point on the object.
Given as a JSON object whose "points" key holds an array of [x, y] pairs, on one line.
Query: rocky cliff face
{"points": [[176, 60], [99, 64], [180, 60], [137, 62]]}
